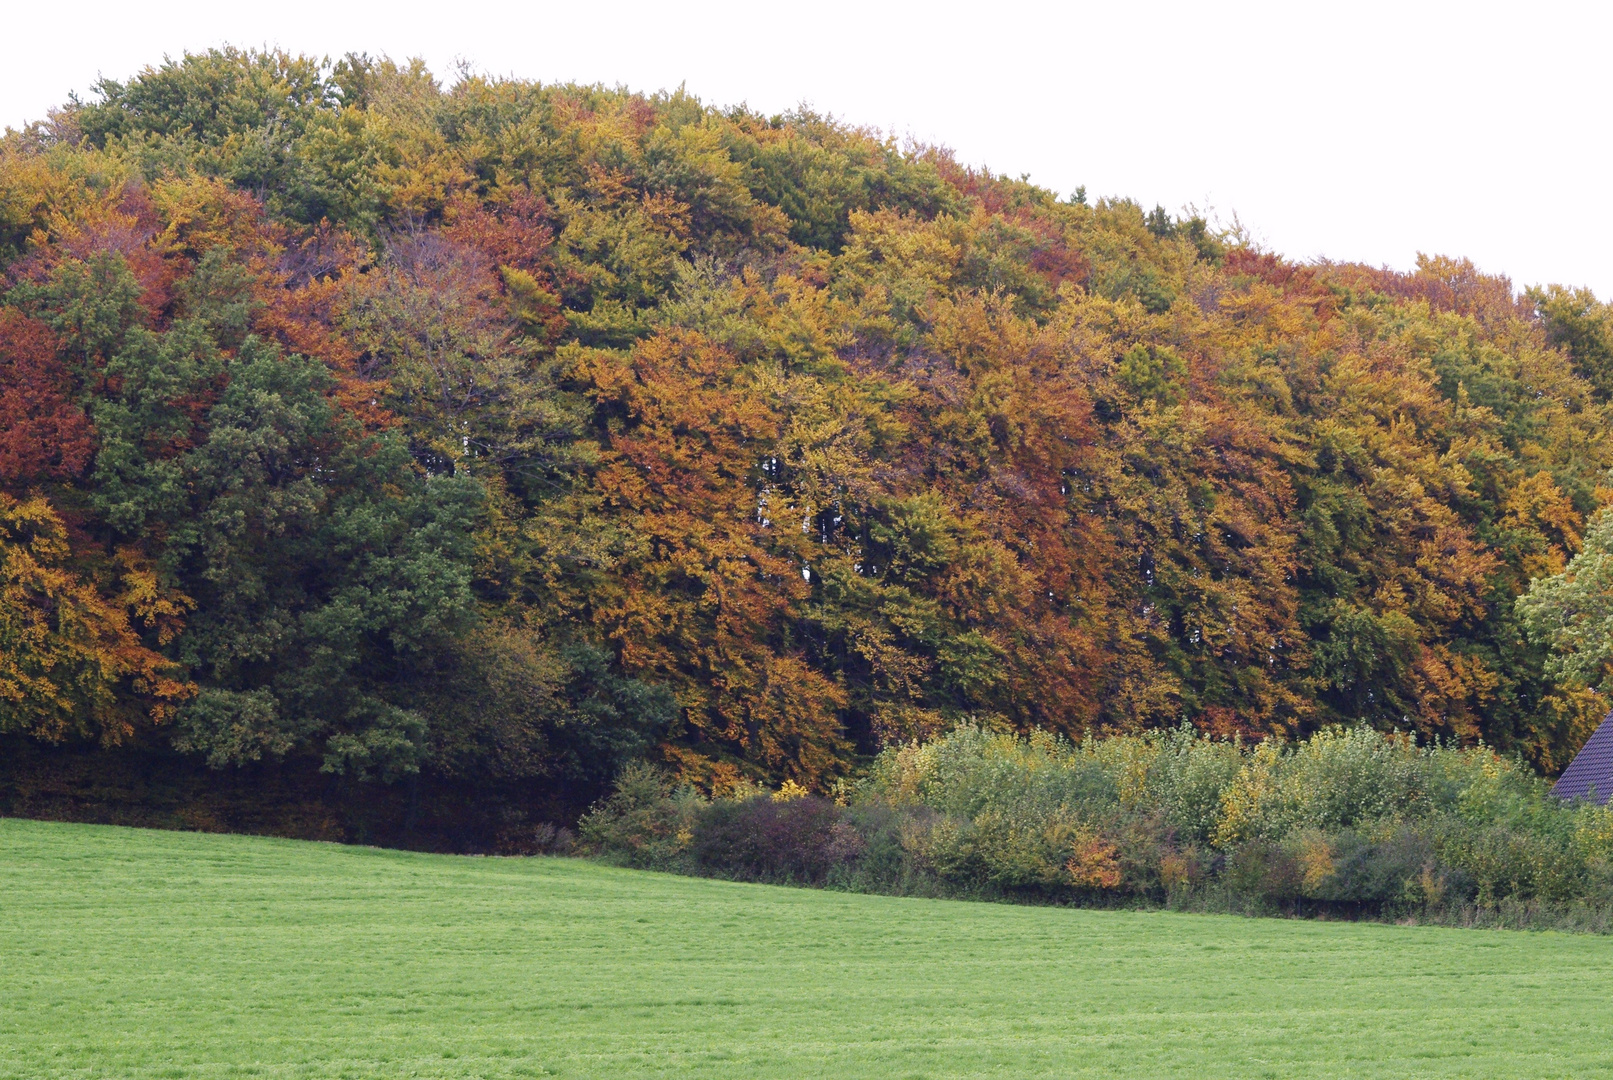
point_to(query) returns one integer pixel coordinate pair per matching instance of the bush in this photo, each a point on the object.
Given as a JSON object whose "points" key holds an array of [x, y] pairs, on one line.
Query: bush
{"points": [[1347, 822], [763, 839], [644, 823]]}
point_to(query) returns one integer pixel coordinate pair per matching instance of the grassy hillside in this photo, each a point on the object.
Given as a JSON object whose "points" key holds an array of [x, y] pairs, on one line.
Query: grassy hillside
{"points": [[144, 954]]}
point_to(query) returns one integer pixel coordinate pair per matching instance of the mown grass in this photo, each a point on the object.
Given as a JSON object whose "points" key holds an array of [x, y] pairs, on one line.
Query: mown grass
{"points": [[134, 954]]}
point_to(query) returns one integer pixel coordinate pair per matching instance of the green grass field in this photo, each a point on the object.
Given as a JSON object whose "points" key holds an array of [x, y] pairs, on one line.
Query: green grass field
{"points": [[132, 954]]}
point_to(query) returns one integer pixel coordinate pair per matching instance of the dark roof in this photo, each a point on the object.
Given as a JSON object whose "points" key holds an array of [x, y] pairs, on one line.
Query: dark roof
{"points": [[1592, 767]]}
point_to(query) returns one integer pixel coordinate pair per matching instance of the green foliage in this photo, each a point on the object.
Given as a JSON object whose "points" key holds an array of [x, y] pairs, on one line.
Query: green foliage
{"points": [[1347, 822], [512, 706], [323, 572], [506, 431], [1583, 326], [1573, 611], [645, 820], [231, 113], [1152, 374]]}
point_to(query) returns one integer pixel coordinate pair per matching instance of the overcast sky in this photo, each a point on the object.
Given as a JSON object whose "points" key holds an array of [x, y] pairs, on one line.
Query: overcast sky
{"points": [[1367, 131]]}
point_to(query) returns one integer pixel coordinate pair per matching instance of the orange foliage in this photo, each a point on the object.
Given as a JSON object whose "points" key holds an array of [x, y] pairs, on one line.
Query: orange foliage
{"points": [[842, 442], [70, 660], [702, 596]]}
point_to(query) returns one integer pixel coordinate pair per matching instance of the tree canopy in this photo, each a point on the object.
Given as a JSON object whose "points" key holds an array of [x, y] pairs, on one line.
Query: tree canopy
{"points": [[516, 430]]}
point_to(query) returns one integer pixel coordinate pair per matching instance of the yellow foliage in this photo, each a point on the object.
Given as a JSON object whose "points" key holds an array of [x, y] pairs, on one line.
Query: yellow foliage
{"points": [[1315, 862], [1175, 870], [1243, 800], [70, 662], [1593, 832], [789, 791]]}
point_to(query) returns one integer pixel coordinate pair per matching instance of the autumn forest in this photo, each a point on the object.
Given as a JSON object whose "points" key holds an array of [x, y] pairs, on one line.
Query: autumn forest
{"points": [[370, 441]]}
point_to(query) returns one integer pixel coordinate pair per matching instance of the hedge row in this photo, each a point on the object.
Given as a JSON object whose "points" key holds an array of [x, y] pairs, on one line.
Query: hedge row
{"points": [[1347, 823]]}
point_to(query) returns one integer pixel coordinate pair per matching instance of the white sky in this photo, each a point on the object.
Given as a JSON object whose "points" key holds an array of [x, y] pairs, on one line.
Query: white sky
{"points": [[1364, 131]]}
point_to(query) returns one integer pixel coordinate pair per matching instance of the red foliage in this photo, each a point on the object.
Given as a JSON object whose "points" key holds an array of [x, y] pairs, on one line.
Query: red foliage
{"points": [[516, 233], [1301, 282], [1245, 262], [43, 434], [128, 229], [992, 194], [1053, 257], [1444, 284]]}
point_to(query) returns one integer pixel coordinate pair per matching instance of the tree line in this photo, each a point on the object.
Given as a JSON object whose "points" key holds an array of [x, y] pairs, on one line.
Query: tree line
{"points": [[508, 432]]}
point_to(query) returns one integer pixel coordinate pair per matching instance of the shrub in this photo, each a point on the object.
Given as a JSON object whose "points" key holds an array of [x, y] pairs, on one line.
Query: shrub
{"points": [[768, 839], [1187, 779], [644, 823], [1348, 821], [1264, 872], [1388, 870]]}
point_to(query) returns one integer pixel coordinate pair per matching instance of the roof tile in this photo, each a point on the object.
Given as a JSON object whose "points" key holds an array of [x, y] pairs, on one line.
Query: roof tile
{"points": [[1592, 767]]}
